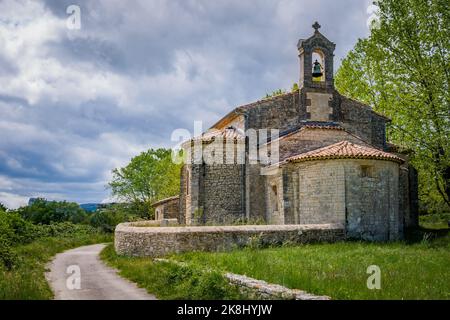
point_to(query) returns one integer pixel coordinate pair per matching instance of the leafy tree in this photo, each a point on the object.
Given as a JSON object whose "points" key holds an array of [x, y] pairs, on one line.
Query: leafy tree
{"points": [[148, 177], [108, 218], [402, 70], [46, 212], [3, 207]]}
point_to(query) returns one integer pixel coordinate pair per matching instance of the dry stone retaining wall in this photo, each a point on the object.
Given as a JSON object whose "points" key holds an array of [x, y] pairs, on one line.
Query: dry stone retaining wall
{"points": [[132, 240], [259, 289]]}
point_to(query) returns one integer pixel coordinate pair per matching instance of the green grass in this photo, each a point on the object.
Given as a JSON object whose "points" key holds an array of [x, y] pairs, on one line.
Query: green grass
{"points": [[408, 271], [26, 279], [170, 281], [435, 221]]}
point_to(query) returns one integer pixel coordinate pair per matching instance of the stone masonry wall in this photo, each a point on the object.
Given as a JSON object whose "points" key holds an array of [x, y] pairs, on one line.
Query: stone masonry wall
{"points": [[362, 194], [223, 193], [274, 113], [359, 119], [372, 200], [274, 198], [159, 241], [172, 209], [321, 192]]}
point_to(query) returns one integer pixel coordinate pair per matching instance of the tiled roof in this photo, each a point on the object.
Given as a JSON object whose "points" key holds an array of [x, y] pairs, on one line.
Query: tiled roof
{"points": [[312, 125], [165, 200], [227, 134], [344, 150], [306, 125]]}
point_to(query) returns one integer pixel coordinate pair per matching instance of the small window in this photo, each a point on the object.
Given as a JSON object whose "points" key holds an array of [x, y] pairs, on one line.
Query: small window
{"points": [[187, 182], [367, 171], [274, 189], [275, 197]]}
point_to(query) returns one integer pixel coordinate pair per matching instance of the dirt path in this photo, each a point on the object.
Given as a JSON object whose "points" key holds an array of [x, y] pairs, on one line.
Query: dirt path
{"points": [[79, 274]]}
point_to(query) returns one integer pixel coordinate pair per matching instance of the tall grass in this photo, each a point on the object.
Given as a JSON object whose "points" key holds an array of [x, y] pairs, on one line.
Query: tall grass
{"points": [[339, 270], [26, 280], [170, 281]]}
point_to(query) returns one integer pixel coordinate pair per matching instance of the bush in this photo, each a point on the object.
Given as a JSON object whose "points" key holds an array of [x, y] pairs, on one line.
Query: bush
{"points": [[46, 212], [435, 221], [14, 231], [7, 236], [7, 255], [107, 219], [65, 229]]}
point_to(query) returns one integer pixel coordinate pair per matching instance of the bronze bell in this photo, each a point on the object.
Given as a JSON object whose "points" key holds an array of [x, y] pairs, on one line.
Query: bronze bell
{"points": [[317, 70]]}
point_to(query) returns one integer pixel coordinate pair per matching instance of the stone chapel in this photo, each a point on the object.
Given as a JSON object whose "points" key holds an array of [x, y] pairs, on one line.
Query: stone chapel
{"points": [[334, 164]]}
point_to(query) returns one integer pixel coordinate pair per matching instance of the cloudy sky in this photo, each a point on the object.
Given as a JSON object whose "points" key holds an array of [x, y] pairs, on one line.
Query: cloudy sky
{"points": [[74, 104]]}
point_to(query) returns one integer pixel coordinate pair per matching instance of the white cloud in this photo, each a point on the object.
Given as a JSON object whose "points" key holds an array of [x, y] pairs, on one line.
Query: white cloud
{"points": [[13, 201], [76, 104]]}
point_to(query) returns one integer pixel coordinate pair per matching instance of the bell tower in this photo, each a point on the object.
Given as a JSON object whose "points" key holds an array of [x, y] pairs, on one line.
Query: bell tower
{"points": [[316, 60]]}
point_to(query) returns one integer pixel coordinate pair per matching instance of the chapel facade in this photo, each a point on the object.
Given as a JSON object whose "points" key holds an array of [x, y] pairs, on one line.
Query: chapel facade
{"points": [[332, 164]]}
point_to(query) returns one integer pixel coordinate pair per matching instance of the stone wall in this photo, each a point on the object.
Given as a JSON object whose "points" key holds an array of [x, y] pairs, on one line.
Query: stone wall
{"points": [[155, 242], [223, 193], [274, 199], [255, 193], [362, 194], [168, 209], [360, 120], [321, 192], [279, 112], [259, 289]]}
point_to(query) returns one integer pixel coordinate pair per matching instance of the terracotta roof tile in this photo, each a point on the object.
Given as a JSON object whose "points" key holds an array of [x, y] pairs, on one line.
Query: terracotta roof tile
{"points": [[165, 200], [305, 125], [344, 150], [228, 133]]}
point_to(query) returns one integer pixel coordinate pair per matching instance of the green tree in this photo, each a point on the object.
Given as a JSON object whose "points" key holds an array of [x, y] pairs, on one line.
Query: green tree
{"points": [[402, 70], [46, 212], [106, 219], [3, 207], [148, 177]]}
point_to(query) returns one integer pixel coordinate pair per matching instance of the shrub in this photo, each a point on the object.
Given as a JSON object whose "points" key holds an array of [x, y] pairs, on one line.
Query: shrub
{"points": [[65, 229], [107, 219], [14, 231], [45, 212], [6, 237]]}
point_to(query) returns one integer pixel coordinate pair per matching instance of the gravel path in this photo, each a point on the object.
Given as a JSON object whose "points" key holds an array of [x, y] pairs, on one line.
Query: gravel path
{"points": [[79, 274]]}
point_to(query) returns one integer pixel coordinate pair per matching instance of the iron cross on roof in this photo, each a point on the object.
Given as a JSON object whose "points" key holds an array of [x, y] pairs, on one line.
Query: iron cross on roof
{"points": [[316, 26]]}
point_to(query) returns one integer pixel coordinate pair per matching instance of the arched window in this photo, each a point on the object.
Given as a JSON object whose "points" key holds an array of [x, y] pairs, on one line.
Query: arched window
{"points": [[318, 65]]}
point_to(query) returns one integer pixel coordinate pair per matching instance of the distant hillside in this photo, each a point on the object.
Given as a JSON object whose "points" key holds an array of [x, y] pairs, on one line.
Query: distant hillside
{"points": [[90, 207]]}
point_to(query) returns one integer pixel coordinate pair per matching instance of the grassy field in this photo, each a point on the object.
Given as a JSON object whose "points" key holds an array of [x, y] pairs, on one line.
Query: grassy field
{"points": [[414, 269], [408, 271], [26, 279], [170, 281], [435, 221]]}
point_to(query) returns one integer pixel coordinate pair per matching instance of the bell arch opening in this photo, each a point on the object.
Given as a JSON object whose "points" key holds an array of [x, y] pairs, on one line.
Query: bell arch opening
{"points": [[318, 65]]}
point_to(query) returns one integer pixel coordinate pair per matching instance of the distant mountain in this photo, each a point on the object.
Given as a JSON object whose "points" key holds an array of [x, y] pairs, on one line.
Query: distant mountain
{"points": [[33, 200], [90, 207]]}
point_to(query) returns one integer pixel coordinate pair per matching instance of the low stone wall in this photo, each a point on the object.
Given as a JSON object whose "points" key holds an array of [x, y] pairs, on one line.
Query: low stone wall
{"points": [[132, 240], [259, 289], [156, 223]]}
